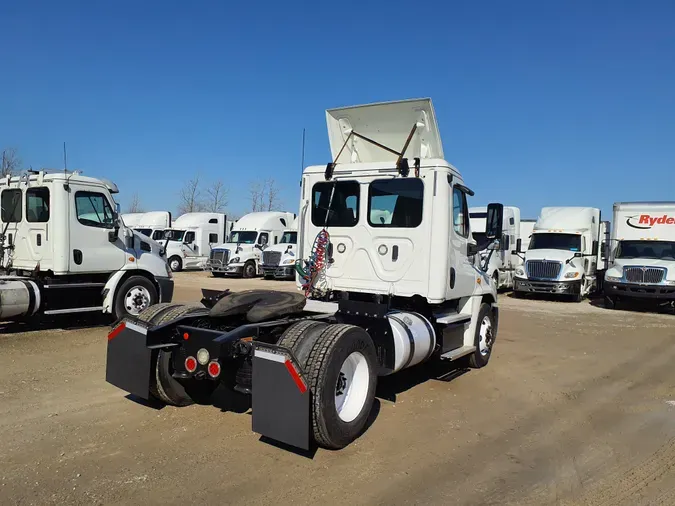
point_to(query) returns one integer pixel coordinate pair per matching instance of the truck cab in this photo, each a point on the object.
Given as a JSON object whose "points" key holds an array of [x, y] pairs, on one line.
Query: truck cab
{"points": [[642, 253], [502, 262], [153, 224], [63, 236], [193, 235], [564, 254], [250, 236], [278, 260]]}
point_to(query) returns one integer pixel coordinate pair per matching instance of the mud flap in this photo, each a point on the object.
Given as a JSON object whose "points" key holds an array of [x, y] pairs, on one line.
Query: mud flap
{"points": [[280, 397], [129, 360]]}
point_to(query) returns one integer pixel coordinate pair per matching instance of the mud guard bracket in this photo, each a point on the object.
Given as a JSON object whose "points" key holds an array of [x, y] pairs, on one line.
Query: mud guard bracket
{"points": [[280, 397]]}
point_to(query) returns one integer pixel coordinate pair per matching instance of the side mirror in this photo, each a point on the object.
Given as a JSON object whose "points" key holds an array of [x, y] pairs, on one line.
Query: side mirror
{"points": [[519, 246], [495, 219], [595, 248], [471, 249], [113, 234]]}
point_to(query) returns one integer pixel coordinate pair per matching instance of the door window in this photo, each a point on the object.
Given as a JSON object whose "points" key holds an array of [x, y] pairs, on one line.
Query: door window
{"points": [[460, 212], [158, 235], [11, 206], [263, 238], [395, 203], [189, 237], [93, 210], [37, 205]]}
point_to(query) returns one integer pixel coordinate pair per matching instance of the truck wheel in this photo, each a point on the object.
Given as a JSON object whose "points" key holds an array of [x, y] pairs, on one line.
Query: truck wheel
{"points": [[147, 315], [268, 276], [341, 367], [175, 264], [495, 279], [300, 339], [249, 270], [484, 338], [136, 294]]}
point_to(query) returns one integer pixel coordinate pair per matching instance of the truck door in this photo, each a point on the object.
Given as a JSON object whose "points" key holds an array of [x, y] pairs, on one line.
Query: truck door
{"points": [[37, 239], [190, 246], [11, 218], [462, 272], [91, 221]]}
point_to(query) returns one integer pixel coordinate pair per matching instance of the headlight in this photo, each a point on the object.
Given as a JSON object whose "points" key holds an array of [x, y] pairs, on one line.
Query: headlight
{"points": [[520, 271], [571, 275], [289, 261], [234, 260], [614, 279]]}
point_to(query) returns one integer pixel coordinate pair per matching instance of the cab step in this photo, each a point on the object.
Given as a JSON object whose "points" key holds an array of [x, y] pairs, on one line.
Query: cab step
{"points": [[458, 352], [452, 318]]}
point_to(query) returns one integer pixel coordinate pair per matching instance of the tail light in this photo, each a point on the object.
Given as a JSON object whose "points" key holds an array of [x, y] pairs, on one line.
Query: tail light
{"points": [[191, 364], [214, 369]]}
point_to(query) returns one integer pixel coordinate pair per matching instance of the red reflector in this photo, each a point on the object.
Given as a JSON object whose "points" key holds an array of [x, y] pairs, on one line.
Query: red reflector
{"points": [[296, 377], [214, 369], [191, 364], [113, 334], [186, 336]]}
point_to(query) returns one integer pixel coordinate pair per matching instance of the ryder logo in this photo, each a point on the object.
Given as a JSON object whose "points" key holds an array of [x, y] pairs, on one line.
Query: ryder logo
{"points": [[645, 221]]}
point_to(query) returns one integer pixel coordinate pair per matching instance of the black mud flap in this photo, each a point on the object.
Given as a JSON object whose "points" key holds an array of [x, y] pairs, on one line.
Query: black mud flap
{"points": [[280, 396], [129, 360]]}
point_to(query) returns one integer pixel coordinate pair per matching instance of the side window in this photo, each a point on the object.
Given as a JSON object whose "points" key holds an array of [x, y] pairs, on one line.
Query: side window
{"points": [[213, 220], [213, 238], [37, 205], [344, 205], [460, 213], [11, 206], [93, 210], [158, 235], [189, 237], [262, 240], [395, 203]]}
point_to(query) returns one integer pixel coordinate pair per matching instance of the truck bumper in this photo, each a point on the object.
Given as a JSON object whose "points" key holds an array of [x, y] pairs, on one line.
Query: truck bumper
{"points": [[638, 291], [234, 270], [165, 289], [279, 271], [552, 287]]}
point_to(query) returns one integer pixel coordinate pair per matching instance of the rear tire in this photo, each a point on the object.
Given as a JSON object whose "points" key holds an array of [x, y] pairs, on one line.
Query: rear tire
{"points": [[341, 368], [484, 339], [249, 270]]}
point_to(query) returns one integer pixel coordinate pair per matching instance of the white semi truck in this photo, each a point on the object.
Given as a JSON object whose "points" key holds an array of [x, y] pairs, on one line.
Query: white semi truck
{"points": [[502, 262], [64, 249], [153, 224], [193, 235], [564, 256], [642, 253], [384, 238], [278, 260], [253, 233]]}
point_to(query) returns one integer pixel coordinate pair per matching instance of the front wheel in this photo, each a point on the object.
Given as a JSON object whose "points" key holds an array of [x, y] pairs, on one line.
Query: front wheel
{"points": [[484, 339], [175, 264], [249, 270], [136, 294]]}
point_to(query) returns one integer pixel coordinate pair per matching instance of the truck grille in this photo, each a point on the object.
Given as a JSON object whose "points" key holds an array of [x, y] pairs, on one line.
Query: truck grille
{"points": [[219, 256], [644, 274], [271, 257], [543, 269]]}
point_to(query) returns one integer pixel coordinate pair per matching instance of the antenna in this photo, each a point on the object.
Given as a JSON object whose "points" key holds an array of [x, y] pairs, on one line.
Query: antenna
{"points": [[302, 163], [65, 159]]}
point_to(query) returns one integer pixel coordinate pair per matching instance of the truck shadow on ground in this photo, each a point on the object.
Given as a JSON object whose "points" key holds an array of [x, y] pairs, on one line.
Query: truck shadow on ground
{"points": [[389, 387], [636, 306], [65, 322]]}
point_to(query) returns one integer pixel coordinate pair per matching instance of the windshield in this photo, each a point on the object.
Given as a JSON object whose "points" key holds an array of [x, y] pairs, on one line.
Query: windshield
{"points": [[242, 237], [289, 238], [570, 242], [481, 240], [144, 231], [177, 235], [646, 249]]}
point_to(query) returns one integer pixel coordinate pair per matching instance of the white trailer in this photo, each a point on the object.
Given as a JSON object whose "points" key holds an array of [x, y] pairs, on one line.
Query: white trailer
{"points": [[564, 254], [254, 232], [193, 235], [642, 253], [64, 249], [384, 238], [502, 262], [153, 224], [278, 260]]}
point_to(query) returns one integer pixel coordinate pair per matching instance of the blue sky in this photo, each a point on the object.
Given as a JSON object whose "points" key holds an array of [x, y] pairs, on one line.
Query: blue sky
{"points": [[539, 103]]}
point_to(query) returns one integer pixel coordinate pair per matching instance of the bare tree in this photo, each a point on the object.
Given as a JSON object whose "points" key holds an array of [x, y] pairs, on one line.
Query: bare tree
{"points": [[264, 196], [272, 195], [135, 204], [216, 200], [10, 162], [256, 196], [190, 197]]}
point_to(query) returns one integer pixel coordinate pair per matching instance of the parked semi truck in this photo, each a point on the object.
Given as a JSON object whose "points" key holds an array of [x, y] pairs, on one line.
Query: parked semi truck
{"points": [[278, 261], [64, 249], [253, 233], [565, 254], [193, 235], [153, 224], [642, 253], [384, 238], [502, 262], [526, 229]]}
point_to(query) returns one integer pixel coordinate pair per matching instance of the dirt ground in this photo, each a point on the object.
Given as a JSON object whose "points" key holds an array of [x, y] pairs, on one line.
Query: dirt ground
{"points": [[577, 406]]}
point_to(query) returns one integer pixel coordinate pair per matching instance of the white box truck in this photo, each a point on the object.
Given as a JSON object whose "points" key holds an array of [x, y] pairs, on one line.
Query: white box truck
{"points": [[252, 233], [503, 261], [642, 253], [278, 260], [153, 224], [564, 256], [189, 241], [64, 249], [382, 295]]}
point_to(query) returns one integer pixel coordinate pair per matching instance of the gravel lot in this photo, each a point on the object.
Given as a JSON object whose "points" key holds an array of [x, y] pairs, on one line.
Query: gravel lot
{"points": [[577, 406]]}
